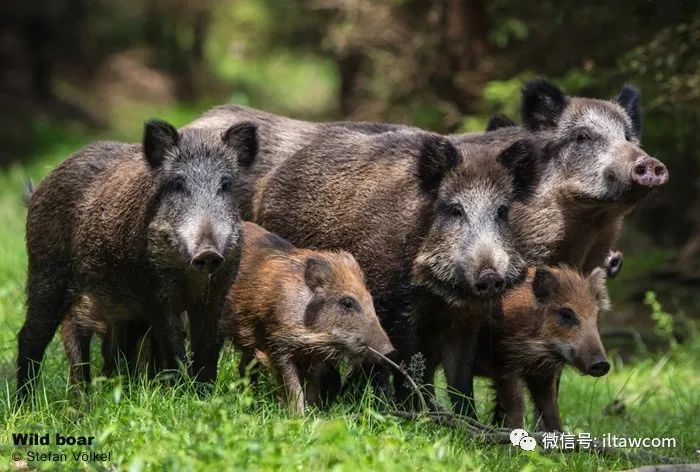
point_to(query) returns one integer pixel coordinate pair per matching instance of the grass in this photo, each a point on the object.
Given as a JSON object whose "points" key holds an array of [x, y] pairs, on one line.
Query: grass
{"points": [[147, 425]]}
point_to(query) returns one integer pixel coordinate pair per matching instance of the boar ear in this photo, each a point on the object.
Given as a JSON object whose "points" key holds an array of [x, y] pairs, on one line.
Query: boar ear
{"points": [[542, 105], [630, 100], [521, 160], [544, 284], [598, 288], [243, 138], [158, 138], [499, 121], [437, 157], [317, 273]]}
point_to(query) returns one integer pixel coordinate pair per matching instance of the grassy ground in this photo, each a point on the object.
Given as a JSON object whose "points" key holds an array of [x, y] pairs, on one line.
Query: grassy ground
{"points": [[147, 426]]}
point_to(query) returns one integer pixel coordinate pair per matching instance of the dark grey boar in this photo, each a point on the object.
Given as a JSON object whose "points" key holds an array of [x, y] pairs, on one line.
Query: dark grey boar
{"points": [[428, 225], [143, 233], [547, 322], [300, 311]]}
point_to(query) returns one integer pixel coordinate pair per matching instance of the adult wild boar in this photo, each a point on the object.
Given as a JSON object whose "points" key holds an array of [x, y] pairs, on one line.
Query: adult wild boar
{"points": [[594, 174], [428, 225], [144, 233]]}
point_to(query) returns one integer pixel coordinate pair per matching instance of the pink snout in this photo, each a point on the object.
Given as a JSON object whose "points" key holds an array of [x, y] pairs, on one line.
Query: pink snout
{"points": [[649, 172]]}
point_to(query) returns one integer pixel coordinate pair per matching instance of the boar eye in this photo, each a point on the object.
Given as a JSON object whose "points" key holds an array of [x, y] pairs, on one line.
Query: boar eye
{"points": [[348, 303], [455, 210], [583, 137], [226, 185], [568, 317]]}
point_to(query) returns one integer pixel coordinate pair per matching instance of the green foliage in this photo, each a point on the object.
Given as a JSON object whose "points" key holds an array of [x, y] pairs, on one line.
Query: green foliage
{"points": [[663, 320]]}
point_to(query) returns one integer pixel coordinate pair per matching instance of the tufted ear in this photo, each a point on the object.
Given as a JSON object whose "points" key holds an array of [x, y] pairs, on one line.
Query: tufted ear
{"points": [[522, 160], [630, 99], [243, 138], [318, 273], [544, 284], [499, 121], [158, 138], [542, 105], [437, 157], [598, 288]]}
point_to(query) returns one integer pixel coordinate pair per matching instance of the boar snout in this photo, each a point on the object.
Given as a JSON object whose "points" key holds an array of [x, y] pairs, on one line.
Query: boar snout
{"points": [[207, 261], [489, 283], [649, 172], [598, 367]]}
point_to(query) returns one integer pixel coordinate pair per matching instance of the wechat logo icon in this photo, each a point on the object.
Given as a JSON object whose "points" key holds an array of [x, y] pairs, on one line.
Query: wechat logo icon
{"points": [[519, 437]]}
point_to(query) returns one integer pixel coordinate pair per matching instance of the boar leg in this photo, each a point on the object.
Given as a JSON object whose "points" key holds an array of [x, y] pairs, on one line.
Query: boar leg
{"points": [[123, 340], [48, 301], [601, 248], [544, 391], [509, 409], [458, 355], [291, 382], [76, 342], [323, 385], [207, 343], [168, 337]]}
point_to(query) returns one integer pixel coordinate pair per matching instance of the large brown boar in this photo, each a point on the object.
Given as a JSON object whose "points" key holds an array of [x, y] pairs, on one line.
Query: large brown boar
{"points": [[144, 233], [300, 311], [428, 225], [547, 322], [279, 137]]}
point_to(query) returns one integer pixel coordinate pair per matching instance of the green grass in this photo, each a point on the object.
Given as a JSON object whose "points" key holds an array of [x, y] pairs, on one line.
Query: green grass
{"points": [[149, 426]]}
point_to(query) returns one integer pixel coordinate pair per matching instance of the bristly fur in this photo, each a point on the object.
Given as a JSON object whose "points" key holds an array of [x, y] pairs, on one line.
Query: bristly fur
{"points": [[127, 245], [292, 304], [529, 344]]}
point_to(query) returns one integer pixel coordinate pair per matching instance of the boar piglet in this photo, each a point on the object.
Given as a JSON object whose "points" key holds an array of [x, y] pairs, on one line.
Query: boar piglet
{"points": [[128, 233], [547, 322], [300, 311]]}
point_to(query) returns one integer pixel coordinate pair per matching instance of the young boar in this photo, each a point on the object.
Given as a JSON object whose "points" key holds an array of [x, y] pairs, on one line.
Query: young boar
{"points": [[300, 310], [547, 322], [428, 225], [143, 233]]}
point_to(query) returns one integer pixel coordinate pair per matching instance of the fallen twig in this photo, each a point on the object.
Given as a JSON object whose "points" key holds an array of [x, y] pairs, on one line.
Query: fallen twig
{"points": [[403, 372]]}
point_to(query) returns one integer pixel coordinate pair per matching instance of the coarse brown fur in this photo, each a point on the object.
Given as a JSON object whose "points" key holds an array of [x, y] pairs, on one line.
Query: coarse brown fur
{"points": [[279, 138], [299, 311], [424, 222], [100, 234], [545, 323]]}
